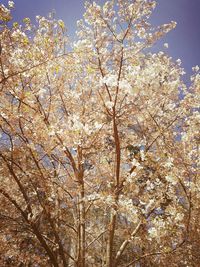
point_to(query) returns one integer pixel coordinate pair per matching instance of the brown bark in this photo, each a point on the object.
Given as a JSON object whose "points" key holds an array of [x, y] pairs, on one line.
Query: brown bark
{"points": [[82, 246], [81, 230]]}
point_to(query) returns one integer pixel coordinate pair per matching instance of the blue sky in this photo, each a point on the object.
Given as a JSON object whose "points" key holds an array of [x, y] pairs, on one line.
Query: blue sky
{"points": [[184, 41]]}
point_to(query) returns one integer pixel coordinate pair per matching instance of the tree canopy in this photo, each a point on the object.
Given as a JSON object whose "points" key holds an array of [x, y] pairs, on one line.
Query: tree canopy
{"points": [[99, 143]]}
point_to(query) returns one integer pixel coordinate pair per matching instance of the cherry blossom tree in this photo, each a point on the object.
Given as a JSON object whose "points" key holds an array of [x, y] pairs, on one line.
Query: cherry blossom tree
{"points": [[99, 143]]}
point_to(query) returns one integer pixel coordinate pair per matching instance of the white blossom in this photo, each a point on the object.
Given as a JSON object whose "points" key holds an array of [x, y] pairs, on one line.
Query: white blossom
{"points": [[153, 232], [109, 104], [171, 179], [124, 85], [110, 80], [11, 4], [166, 45], [196, 68], [169, 163]]}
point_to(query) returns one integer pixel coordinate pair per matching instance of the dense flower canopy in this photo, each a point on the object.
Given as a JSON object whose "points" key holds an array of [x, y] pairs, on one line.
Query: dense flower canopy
{"points": [[99, 143]]}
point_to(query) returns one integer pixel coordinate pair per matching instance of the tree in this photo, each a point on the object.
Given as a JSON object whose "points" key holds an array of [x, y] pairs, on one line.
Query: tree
{"points": [[99, 143]]}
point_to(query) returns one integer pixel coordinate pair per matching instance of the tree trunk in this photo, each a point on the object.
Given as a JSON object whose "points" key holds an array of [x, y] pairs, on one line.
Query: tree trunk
{"points": [[109, 247], [81, 257]]}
